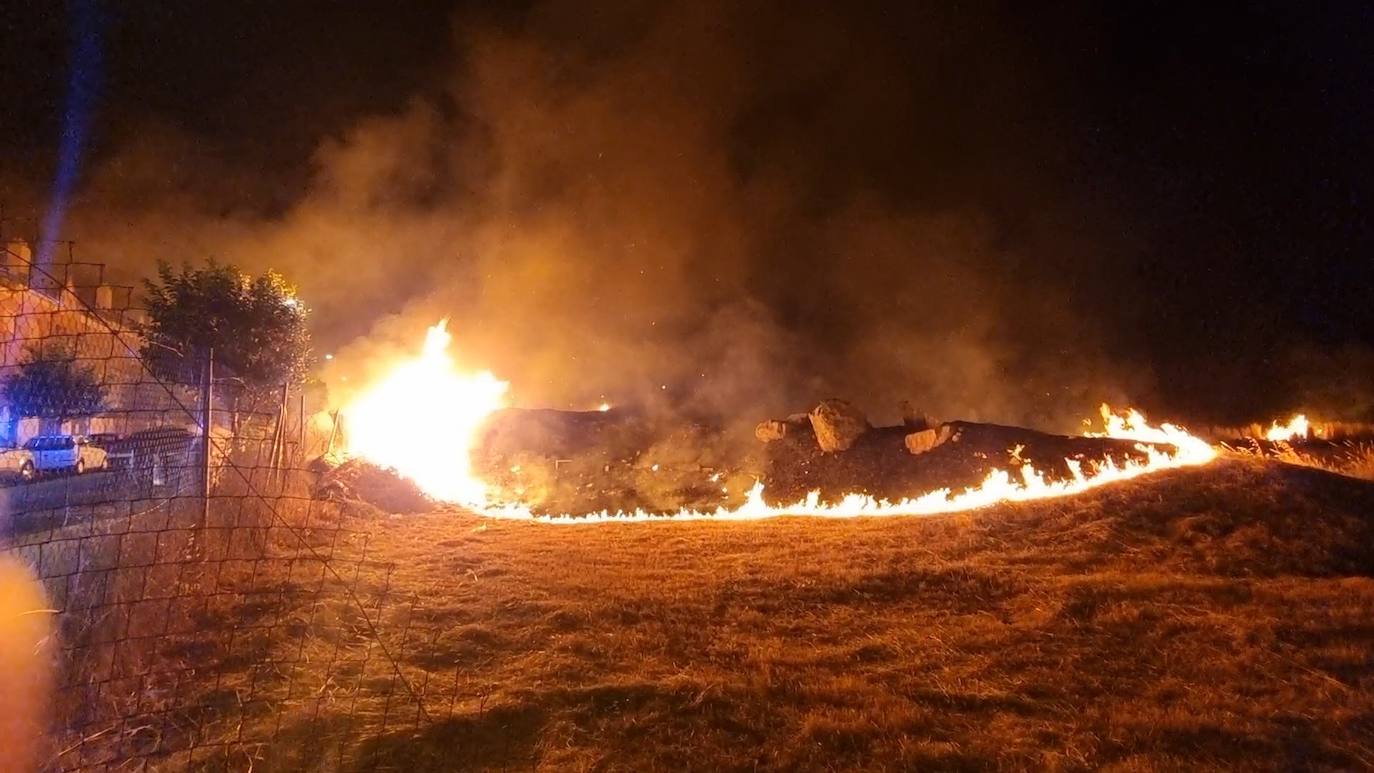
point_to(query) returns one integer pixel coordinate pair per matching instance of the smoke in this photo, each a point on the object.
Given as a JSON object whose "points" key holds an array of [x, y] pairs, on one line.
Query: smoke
{"points": [[721, 211]]}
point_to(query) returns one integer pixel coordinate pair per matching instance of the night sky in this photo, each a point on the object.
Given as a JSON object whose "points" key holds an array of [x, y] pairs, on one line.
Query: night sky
{"points": [[1002, 211]]}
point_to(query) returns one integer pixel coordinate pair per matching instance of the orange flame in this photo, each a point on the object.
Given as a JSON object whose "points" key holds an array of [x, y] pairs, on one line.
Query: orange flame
{"points": [[1024, 485], [1297, 427], [396, 424], [422, 420]]}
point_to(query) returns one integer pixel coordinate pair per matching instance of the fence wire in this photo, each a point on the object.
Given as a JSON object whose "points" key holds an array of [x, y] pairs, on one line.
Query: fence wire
{"points": [[246, 630]]}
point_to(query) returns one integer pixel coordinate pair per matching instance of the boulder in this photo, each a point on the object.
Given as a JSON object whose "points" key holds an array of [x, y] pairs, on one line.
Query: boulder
{"points": [[920, 442], [837, 424], [771, 430]]}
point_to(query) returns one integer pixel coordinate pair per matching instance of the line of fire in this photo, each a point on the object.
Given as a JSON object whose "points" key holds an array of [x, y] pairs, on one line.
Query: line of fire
{"points": [[606, 462]]}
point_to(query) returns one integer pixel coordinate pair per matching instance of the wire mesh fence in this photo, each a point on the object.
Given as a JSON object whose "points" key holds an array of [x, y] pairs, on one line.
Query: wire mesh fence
{"points": [[210, 612]]}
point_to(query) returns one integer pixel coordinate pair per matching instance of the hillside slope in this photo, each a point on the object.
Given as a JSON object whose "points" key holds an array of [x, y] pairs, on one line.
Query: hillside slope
{"points": [[1219, 617]]}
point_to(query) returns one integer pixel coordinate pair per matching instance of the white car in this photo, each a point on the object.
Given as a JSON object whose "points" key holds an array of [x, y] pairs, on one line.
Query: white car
{"points": [[17, 464], [65, 453]]}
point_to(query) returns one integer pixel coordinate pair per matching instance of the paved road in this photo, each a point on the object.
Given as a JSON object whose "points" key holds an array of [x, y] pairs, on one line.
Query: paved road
{"points": [[66, 490], [49, 501]]}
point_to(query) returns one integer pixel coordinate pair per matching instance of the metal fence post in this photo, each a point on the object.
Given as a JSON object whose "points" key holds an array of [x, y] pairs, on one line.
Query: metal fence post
{"points": [[207, 393]]}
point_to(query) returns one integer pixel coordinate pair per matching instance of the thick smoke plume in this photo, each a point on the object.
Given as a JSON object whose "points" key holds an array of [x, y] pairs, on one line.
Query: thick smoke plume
{"points": [[718, 211]]}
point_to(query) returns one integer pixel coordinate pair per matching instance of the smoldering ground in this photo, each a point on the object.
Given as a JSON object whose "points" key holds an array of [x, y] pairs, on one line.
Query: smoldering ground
{"points": [[724, 210]]}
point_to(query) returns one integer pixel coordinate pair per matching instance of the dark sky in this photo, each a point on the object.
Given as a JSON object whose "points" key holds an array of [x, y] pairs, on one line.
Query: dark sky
{"points": [[1163, 198], [263, 81]]}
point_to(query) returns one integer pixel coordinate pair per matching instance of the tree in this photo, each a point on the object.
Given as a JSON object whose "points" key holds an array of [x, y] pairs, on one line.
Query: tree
{"points": [[255, 325], [51, 386]]}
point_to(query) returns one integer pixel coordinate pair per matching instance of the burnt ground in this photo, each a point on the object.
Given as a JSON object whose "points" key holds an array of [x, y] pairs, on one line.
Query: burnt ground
{"points": [[580, 462], [879, 464]]}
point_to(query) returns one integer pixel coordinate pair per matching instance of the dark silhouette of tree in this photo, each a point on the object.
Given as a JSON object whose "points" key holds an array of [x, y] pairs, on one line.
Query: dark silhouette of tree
{"points": [[255, 325], [51, 385]]}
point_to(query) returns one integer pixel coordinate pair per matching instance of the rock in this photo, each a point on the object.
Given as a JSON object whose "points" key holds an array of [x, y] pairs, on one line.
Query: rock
{"points": [[837, 424], [799, 419], [920, 442], [923, 441], [771, 430]]}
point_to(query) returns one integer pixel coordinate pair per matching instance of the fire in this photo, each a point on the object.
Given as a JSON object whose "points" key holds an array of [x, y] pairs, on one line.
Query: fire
{"points": [[422, 419], [1296, 427], [1025, 484], [396, 424], [1131, 425]]}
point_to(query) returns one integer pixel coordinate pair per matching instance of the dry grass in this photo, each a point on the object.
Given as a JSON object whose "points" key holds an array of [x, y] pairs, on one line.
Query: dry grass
{"points": [[1352, 458], [1212, 618]]}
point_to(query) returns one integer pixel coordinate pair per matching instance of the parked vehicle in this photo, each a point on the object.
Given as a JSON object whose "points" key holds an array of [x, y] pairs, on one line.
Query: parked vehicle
{"points": [[119, 452], [17, 464], [103, 439], [159, 456], [65, 453]]}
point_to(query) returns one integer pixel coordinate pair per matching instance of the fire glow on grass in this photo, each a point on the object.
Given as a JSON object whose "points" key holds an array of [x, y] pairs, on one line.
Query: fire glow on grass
{"points": [[422, 420]]}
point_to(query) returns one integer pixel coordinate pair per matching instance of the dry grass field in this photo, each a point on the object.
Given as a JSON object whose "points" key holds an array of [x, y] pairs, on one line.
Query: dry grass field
{"points": [[1209, 618]]}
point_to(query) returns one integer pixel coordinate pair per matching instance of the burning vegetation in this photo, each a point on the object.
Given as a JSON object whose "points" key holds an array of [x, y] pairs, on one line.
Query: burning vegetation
{"points": [[445, 429], [422, 417]]}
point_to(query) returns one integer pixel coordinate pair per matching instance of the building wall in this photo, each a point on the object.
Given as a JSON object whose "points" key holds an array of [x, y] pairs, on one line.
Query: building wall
{"points": [[102, 339]]}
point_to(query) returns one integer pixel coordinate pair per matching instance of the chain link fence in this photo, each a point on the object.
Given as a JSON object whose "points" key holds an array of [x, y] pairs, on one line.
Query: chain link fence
{"points": [[209, 612]]}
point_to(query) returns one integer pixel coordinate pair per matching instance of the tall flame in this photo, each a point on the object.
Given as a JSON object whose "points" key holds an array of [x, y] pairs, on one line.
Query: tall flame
{"points": [[1297, 427], [423, 417], [422, 420]]}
